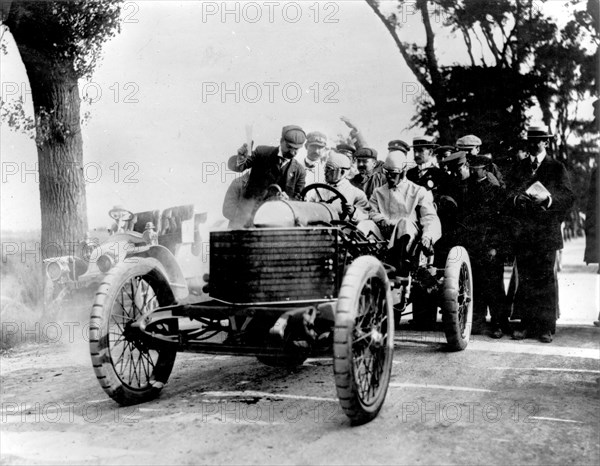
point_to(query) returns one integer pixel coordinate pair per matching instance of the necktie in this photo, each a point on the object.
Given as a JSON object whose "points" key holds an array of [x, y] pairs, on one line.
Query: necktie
{"points": [[534, 164]]}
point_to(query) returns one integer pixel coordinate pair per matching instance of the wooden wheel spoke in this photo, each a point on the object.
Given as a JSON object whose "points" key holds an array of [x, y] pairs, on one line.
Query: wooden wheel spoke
{"points": [[145, 365]]}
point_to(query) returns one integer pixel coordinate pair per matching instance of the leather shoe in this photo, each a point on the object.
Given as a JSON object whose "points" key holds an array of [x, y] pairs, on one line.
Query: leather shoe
{"points": [[496, 333], [546, 337], [519, 334]]}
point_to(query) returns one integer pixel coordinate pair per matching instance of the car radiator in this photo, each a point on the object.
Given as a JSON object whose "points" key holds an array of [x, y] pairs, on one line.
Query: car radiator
{"points": [[269, 265]]}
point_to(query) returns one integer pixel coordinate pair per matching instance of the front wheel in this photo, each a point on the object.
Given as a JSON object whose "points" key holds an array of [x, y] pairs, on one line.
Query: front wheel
{"points": [[457, 299], [127, 369], [363, 342]]}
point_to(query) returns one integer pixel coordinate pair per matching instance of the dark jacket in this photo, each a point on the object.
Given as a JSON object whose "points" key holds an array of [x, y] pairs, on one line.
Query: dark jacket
{"points": [[371, 182], [265, 170], [538, 228], [432, 179], [470, 214]]}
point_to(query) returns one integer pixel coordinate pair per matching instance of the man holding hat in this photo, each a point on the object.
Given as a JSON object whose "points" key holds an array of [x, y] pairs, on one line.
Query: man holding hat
{"points": [[470, 211], [540, 194], [314, 161], [402, 210], [369, 174], [426, 173], [336, 169], [271, 165]]}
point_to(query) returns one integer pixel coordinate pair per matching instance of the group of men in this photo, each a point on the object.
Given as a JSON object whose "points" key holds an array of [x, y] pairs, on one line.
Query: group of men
{"points": [[437, 197]]}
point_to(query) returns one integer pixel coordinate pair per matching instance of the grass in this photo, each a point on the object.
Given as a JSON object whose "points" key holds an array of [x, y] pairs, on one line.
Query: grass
{"points": [[21, 285]]}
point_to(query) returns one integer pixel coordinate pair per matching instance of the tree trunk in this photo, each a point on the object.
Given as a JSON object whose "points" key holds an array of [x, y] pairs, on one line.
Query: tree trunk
{"points": [[56, 104]]}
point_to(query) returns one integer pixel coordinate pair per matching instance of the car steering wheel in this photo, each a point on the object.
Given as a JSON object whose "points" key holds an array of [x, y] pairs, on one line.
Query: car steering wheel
{"points": [[118, 213], [336, 193]]}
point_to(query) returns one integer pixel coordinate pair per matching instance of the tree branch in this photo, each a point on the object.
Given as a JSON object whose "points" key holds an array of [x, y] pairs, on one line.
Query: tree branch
{"points": [[481, 44], [421, 77], [429, 46], [489, 38], [469, 43]]}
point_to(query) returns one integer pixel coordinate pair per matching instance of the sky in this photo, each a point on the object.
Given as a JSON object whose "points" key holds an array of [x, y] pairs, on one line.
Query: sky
{"points": [[176, 89]]}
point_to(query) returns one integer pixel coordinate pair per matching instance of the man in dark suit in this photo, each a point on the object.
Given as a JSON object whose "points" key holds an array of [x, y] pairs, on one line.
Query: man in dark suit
{"points": [[426, 173], [370, 174], [471, 218], [471, 144], [271, 165], [538, 211]]}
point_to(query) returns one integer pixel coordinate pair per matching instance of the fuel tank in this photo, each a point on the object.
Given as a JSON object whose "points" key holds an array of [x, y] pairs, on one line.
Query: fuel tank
{"points": [[283, 214]]}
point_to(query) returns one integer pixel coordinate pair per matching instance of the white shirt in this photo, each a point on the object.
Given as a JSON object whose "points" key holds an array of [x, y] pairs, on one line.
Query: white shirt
{"points": [[282, 160], [426, 165], [315, 171]]}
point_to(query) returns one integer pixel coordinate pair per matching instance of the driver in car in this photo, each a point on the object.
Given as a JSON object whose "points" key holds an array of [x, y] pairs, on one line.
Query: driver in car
{"points": [[123, 218], [403, 210], [336, 171]]}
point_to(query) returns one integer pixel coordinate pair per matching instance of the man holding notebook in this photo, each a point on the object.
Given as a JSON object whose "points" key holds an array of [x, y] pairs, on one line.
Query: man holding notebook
{"points": [[540, 195]]}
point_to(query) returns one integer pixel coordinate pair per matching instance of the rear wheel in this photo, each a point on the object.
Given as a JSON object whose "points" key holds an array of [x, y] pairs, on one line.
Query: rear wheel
{"points": [[457, 300], [363, 343], [128, 370]]}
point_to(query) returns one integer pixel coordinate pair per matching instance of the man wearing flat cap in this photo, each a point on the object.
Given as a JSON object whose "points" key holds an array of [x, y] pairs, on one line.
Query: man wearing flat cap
{"points": [[540, 194], [369, 174], [470, 210], [271, 165], [314, 161], [471, 144], [426, 173]]}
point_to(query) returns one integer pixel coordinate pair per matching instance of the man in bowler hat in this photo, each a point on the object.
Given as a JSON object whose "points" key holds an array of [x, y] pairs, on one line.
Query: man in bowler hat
{"points": [[540, 194]]}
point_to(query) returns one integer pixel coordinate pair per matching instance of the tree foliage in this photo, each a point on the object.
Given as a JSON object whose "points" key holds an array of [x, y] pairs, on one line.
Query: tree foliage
{"points": [[59, 43], [516, 56]]}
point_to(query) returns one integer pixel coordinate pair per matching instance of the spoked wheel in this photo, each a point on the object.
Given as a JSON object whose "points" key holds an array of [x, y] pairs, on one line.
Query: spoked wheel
{"points": [[128, 370], [363, 342], [457, 300]]}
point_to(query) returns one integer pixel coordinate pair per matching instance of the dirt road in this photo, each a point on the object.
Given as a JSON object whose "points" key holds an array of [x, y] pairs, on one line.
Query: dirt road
{"points": [[498, 402]]}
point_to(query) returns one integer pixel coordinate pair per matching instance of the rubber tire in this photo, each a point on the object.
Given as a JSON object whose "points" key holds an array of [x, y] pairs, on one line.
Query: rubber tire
{"points": [[152, 271], [457, 338], [357, 274]]}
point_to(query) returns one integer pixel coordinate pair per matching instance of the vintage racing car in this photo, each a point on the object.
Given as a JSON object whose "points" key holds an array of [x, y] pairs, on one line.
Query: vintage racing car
{"points": [[302, 282], [74, 278]]}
